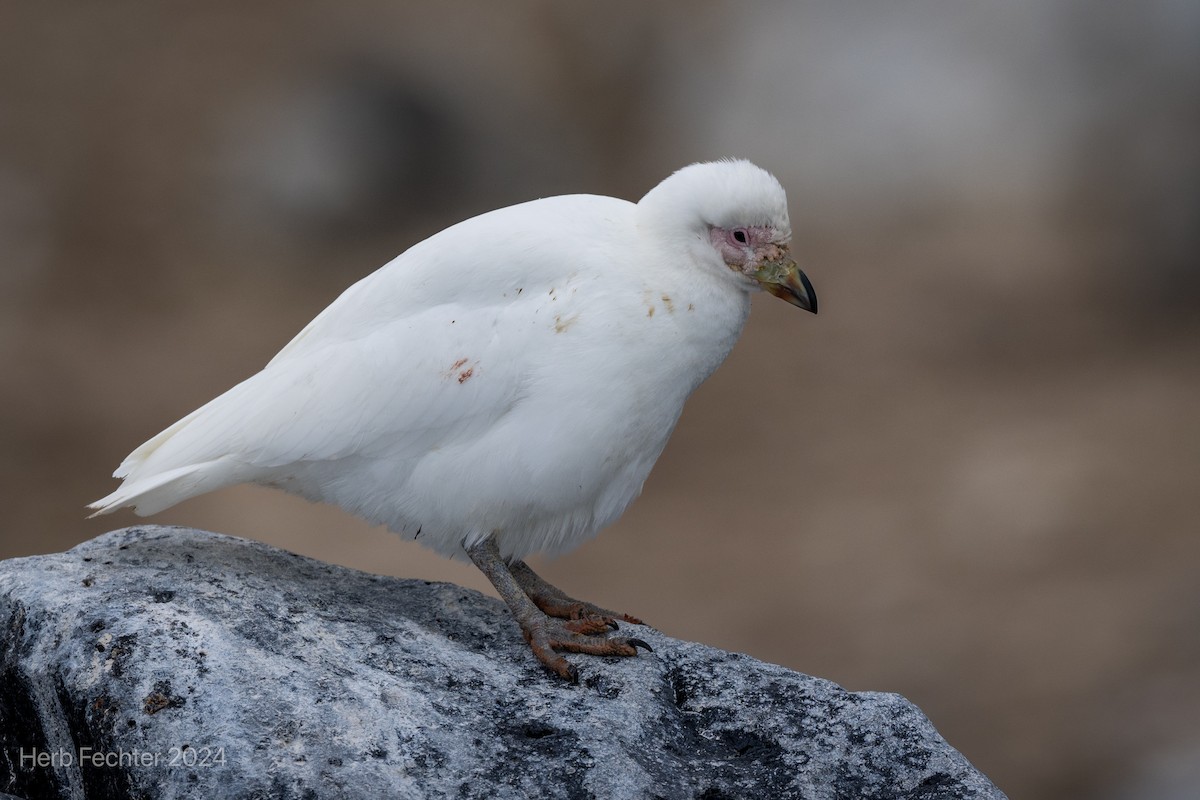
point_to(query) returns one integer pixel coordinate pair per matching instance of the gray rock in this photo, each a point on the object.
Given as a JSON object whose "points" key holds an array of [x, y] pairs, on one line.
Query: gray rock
{"points": [[165, 662]]}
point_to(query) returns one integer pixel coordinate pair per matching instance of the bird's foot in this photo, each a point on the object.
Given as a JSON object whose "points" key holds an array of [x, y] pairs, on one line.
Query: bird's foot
{"points": [[550, 621], [555, 603], [547, 636], [580, 611]]}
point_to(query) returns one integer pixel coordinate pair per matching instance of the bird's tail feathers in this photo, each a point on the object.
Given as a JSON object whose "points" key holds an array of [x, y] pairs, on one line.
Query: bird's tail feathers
{"points": [[147, 448], [156, 493]]}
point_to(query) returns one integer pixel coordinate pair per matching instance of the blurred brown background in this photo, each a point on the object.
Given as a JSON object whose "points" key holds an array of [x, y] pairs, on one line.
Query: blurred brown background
{"points": [[973, 479]]}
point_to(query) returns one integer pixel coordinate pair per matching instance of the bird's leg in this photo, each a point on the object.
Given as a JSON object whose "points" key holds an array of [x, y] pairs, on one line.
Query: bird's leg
{"points": [[554, 602], [545, 634]]}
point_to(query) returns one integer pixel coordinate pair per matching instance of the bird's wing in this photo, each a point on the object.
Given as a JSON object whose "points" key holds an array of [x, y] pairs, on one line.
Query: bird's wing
{"points": [[492, 259], [435, 346], [407, 386]]}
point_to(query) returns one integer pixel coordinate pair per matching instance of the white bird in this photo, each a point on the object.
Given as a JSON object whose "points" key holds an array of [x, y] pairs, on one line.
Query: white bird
{"points": [[504, 387]]}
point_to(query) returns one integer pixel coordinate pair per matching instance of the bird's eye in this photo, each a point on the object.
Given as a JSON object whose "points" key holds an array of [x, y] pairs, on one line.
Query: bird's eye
{"points": [[740, 236]]}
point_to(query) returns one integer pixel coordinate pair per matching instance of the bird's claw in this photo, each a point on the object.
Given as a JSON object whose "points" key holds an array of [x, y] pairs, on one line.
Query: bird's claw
{"points": [[590, 625], [549, 636]]}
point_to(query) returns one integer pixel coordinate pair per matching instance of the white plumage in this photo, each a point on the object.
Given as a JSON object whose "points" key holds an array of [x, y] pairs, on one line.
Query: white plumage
{"points": [[515, 375]]}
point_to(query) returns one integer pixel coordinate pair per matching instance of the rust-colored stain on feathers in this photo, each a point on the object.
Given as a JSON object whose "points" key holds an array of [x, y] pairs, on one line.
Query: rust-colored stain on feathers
{"points": [[561, 324], [456, 371]]}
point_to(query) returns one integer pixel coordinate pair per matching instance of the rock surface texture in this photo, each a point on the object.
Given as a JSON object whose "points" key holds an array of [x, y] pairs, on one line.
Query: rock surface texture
{"points": [[157, 662]]}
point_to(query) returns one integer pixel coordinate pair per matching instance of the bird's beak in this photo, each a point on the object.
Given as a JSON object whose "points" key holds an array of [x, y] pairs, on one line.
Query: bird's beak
{"points": [[784, 279]]}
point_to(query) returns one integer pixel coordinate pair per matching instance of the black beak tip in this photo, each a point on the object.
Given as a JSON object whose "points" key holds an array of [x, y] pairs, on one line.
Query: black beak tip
{"points": [[810, 291]]}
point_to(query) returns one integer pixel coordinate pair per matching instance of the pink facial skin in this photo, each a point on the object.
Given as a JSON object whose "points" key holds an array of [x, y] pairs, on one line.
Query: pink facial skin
{"points": [[746, 249]]}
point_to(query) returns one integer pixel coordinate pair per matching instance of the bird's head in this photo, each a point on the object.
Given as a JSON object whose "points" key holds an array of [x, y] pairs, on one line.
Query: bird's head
{"points": [[732, 213]]}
